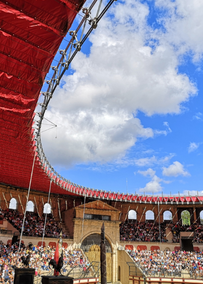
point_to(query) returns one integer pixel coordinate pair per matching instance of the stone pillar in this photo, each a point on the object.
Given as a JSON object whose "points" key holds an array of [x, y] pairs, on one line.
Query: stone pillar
{"points": [[115, 264], [155, 210], [161, 214], [175, 214], [195, 215], [39, 205]]}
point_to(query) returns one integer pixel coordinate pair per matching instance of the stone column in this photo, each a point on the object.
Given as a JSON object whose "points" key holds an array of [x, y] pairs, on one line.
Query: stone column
{"points": [[194, 214]]}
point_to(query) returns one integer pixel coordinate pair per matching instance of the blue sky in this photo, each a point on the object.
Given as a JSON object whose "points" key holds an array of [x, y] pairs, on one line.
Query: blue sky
{"points": [[129, 111]]}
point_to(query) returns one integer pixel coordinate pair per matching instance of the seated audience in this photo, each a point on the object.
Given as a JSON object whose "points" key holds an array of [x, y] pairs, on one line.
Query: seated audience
{"points": [[171, 264], [10, 258], [34, 224]]}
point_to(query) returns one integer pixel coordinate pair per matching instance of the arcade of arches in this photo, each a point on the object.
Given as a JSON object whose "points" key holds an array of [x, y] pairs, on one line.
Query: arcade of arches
{"points": [[83, 219]]}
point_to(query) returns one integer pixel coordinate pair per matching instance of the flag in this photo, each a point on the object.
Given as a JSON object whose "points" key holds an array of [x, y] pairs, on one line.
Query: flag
{"points": [[56, 258]]}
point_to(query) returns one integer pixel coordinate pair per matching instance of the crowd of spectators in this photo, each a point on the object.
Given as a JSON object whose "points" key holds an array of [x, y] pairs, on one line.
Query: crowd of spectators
{"points": [[169, 263], [132, 230], [34, 224], [10, 258], [195, 229]]}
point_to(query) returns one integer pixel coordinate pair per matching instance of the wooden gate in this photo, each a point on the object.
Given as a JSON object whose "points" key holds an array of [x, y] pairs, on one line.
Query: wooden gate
{"points": [[94, 255]]}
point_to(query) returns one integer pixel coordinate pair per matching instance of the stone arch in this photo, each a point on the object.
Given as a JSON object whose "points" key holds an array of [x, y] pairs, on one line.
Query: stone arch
{"points": [[201, 217], [92, 232], [167, 249], [149, 215], [30, 206], [91, 246], [132, 215], [94, 239], [47, 208], [13, 204], [167, 215], [185, 217]]}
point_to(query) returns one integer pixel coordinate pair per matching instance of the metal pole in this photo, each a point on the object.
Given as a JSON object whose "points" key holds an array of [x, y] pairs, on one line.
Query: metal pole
{"points": [[28, 194], [159, 225], [83, 216]]}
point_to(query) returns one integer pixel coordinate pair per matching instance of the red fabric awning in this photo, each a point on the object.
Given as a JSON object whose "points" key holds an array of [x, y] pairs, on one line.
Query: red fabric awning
{"points": [[30, 35]]}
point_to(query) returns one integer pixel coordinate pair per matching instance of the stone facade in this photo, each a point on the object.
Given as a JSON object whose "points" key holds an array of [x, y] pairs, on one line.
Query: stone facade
{"points": [[72, 205]]}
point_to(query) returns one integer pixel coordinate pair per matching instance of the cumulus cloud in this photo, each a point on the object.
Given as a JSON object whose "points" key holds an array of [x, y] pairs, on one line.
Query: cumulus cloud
{"points": [[193, 146], [183, 26], [153, 186], [174, 170], [96, 107], [148, 172], [84, 137]]}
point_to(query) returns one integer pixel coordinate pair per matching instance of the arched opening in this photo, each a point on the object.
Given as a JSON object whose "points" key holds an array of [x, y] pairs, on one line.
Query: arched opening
{"points": [[30, 206], [91, 246], [149, 215], [94, 239], [132, 215], [47, 208], [185, 216], [167, 249], [201, 217], [13, 204], [167, 216]]}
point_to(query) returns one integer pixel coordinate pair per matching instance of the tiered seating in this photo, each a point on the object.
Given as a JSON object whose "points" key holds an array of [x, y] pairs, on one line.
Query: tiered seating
{"points": [[197, 229], [170, 264], [34, 224], [74, 261], [132, 230]]}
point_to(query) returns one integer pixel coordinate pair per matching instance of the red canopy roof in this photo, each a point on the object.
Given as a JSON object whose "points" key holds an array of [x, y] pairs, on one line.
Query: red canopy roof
{"points": [[30, 35]]}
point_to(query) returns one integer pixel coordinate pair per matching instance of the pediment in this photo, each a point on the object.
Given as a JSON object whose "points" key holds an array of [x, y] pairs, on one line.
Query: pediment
{"points": [[98, 205]]}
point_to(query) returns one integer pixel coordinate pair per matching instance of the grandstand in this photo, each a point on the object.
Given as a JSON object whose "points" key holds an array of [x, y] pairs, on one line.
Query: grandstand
{"points": [[33, 196]]}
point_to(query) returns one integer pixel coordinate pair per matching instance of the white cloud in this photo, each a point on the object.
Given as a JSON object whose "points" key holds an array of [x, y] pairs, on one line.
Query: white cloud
{"points": [[153, 186], [142, 162], [160, 132], [148, 172], [96, 107], [167, 125], [192, 193], [198, 116], [176, 169], [184, 25], [149, 161], [85, 137], [193, 146]]}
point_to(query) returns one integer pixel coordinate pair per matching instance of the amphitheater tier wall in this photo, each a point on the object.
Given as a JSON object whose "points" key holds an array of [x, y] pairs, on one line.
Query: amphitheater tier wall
{"points": [[65, 203]]}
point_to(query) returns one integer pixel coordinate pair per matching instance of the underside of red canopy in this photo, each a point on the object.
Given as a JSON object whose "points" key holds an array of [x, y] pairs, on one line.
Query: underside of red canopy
{"points": [[30, 35]]}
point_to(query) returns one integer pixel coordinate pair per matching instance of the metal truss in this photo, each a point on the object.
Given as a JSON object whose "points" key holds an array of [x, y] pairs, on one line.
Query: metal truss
{"points": [[77, 39]]}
